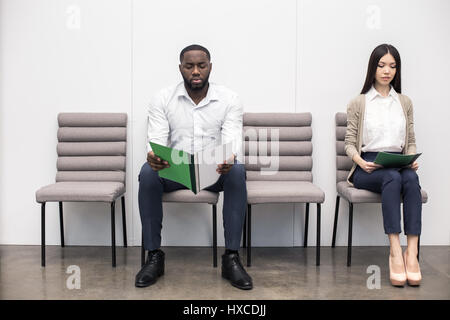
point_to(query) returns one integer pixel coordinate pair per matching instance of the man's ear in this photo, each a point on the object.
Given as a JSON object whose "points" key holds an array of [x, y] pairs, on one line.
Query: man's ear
{"points": [[179, 67], [210, 67]]}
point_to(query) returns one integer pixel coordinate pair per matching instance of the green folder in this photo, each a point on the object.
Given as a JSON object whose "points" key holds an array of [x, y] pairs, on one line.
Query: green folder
{"points": [[393, 160], [181, 170], [191, 170]]}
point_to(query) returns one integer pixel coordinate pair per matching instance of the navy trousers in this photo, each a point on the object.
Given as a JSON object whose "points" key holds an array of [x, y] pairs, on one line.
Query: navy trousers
{"points": [[152, 187], [394, 184]]}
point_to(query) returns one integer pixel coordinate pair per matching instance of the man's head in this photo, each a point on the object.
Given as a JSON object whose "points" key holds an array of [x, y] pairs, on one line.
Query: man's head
{"points": [[195, 66]]}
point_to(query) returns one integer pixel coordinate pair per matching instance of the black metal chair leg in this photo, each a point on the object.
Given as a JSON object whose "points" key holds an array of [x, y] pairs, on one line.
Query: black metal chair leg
{"points": [[61, 223], [244, 232], [249, 235], [318, 236], [350, 225], [214, 236], [305, 241], [113, 233], [43, 234], [336, 213], [418, 248], [142, 251], [124, 223]]}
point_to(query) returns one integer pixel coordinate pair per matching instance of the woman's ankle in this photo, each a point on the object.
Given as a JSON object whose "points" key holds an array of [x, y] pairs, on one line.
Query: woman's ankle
{"points": [[411, 252], [396, 251]]}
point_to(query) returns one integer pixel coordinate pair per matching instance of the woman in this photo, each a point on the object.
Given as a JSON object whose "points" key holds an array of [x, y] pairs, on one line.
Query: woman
{"points": [[381, 119]]}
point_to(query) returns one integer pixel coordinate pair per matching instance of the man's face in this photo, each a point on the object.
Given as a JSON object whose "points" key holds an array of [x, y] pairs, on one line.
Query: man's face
{"points": [[195, 69]]}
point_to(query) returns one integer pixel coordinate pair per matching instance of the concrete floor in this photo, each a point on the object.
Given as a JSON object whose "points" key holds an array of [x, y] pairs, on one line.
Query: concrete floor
{"points": [[278, 273]]}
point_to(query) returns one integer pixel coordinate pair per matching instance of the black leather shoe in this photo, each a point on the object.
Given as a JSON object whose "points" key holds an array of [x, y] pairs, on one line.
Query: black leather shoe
{"points": [[233, 271], [152, 269]]}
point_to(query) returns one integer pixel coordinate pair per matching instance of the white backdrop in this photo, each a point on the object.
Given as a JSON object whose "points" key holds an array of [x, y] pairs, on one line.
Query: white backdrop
{"points": [[286, 56]]}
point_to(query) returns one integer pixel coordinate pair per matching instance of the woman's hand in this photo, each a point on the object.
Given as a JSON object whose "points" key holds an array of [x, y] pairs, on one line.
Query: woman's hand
{"points": [[414, 166], [369, 167]]}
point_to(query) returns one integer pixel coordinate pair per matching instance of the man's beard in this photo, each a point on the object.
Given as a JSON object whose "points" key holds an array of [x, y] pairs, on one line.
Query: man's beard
{"points": [[188, 84]]}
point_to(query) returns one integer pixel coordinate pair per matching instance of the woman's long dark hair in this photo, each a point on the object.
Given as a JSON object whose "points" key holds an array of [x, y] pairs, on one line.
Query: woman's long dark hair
{"points": [[375, 57]]}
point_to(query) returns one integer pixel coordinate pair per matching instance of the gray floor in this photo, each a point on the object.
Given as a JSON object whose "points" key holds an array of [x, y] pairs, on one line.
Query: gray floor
{"points": [[278, 273]]}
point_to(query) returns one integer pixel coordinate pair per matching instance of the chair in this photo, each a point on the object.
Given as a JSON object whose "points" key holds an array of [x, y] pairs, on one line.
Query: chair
{"points": [[291, 181], [345, 190], [187, 196], [91, 167]]}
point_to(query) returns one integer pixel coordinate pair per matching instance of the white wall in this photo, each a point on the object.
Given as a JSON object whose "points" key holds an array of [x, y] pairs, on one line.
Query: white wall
{"points": [[284, 56], [49, 65]]}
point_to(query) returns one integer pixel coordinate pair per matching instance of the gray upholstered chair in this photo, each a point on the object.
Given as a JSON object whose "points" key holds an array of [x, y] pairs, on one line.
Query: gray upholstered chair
{"points": [[187, 196], [90, 167], [345, 190], [291, 180]]}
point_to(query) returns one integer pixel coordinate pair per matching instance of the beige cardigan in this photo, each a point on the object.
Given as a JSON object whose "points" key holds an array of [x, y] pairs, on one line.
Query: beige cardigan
{"points": [[355, 121]]}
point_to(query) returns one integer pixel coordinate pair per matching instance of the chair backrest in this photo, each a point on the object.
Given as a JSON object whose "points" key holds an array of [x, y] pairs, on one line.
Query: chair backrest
{"points": [[91, 147], [343, 163], [278, 146]]}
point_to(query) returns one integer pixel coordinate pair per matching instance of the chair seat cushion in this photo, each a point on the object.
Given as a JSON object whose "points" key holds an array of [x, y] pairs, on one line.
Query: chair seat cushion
{"points": [[283, 192], [188, 196], [355, 195], [102, 191]]}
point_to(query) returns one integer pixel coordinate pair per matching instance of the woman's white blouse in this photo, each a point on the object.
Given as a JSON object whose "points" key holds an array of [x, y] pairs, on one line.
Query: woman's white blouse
{"points": [[384, 127]]}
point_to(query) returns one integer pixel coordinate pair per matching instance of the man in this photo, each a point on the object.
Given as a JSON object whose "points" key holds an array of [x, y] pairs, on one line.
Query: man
{"points": [[191, 116]]}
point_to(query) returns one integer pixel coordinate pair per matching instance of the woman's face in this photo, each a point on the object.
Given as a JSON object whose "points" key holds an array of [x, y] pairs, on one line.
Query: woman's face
{"points": [[386, 70]]}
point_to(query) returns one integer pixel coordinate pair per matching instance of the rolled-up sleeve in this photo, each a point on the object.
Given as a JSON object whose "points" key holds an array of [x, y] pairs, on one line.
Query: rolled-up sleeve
{"points": [[158, 125], [232, 127]]}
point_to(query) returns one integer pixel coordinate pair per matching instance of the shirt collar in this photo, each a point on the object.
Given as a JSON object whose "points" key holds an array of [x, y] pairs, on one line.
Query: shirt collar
{"points": [[211, 95], [373, 93], [393, 93]]}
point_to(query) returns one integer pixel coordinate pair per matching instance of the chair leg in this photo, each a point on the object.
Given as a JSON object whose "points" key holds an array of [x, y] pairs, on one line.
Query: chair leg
{"points": [[418, 247], [305, 241], [214, 207], [124, 223], [318, 236], [113, 233], [249, 235], [43, 234], [61, 223], [142, 251], [244, 232], [336, 213], [350, 225]]}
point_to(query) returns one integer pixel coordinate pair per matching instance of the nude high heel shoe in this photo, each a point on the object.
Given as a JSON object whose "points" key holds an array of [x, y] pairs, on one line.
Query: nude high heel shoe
{"points": [[397, 279], [413, 278]]}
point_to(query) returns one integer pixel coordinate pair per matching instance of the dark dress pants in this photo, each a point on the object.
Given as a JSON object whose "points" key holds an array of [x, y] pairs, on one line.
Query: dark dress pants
{"points": [[152, 187], [394, 184]]}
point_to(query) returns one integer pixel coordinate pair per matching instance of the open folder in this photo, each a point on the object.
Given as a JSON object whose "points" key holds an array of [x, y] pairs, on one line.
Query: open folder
{"points": [[393, 160], [195, 171]]}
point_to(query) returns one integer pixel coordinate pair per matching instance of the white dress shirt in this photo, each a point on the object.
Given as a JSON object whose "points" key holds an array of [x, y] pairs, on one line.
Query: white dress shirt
{"points": [[384, 123], [174, 120]]}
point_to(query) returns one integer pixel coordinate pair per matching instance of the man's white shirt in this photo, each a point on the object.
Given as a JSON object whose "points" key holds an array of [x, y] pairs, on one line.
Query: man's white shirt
{"points": [[174, 120]]}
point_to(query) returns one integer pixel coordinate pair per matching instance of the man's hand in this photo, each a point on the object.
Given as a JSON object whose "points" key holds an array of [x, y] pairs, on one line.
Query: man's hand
{"points": [[155, 162], [225, 167]]}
